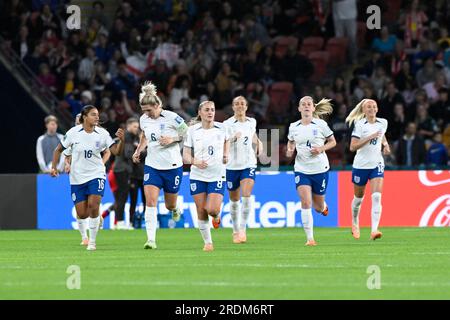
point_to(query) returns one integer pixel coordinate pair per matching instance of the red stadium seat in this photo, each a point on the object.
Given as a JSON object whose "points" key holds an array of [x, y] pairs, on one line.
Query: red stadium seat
{"points": [[320, 60], [337, 47], [311, 44], [280, 96], [283, 43]]}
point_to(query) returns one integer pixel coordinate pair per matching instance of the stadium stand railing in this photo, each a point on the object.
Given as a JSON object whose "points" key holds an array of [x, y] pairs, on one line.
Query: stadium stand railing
{"points": [[42, 95]]}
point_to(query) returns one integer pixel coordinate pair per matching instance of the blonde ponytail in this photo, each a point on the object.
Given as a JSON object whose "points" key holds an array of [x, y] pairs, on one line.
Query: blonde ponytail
{"points": [[149, 95], [323, 107], [357, 113]]}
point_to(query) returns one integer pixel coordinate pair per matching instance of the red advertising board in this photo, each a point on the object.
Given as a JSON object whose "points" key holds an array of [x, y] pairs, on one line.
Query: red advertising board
{"points": [[409, 198]]}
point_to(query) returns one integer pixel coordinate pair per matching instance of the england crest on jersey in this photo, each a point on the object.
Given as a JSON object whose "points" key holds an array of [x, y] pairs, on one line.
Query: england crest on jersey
{"points": [[97, 144], [315, 132]]}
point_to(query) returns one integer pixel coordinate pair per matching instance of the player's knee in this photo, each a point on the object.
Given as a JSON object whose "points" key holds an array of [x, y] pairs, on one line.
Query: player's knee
{"points": [[151, 202], [306, 204], [171, 207]]}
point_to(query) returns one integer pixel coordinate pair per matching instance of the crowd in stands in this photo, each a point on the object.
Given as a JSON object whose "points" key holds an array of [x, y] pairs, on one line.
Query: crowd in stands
{"points": [[213, 50]]}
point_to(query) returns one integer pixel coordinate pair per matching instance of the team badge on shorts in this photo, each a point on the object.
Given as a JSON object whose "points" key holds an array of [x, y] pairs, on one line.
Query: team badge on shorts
{"points": [[193, 187], [357, 179], [146, 176], [230, 185], [74, 197], [297, 179]]}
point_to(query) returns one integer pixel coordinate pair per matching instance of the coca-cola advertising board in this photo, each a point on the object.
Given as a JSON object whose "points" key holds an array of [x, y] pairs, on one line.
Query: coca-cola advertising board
{"points": [[409, 198]]}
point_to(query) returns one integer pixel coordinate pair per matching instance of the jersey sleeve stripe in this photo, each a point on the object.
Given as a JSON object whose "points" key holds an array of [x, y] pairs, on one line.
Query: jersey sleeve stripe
{"points": [[354, 136]]}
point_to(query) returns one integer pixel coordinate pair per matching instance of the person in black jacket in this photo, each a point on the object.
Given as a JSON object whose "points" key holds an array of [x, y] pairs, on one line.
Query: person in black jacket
{"points": [[123, 168], [411, 147]]}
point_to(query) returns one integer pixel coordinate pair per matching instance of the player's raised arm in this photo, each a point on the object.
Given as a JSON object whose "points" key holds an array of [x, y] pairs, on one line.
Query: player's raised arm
{"points": [[117, 148]]}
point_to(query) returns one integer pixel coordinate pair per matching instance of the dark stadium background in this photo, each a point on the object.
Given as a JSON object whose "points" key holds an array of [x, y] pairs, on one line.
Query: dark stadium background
{"points": [[279, 24]]}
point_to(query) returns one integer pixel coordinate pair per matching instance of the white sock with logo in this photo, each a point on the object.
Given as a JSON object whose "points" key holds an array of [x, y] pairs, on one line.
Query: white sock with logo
{"points": [[205, 230], [234, 211], [376, 210], [246, 207], [83, 225], [93, 229], [151, 219], [356, 208], [308, 223]]}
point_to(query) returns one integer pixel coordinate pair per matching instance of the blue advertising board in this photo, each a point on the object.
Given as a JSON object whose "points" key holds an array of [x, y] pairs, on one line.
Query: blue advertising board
{"points": [[275, 204]]}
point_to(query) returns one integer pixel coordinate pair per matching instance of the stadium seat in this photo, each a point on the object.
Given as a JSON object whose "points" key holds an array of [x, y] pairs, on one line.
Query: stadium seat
{"points": [[320, 60], [337, 48], [280, 97], [283, 43], [311, 44]]}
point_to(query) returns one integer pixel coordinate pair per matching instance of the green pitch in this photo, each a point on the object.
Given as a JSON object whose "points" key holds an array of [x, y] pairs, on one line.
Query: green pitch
{"points": [[414, 263]]}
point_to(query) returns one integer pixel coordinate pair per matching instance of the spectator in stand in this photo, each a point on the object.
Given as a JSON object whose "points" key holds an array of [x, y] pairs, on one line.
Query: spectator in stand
{"points": [[441, 109], [36, 59], [86, 69], [397, 126], [411, 148], [124, 80], [426, 125], [437, 154], [338, 125], [46, 78], [390, 99], [432, 88], [76, 105], [181, 90], [103, 51], [413, 24], [99, 14], [344, 17], [23, 44], [159, 76], [258, 102], [386, 43], [68, 85]]}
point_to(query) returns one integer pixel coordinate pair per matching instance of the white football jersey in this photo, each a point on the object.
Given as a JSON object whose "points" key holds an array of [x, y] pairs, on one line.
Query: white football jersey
{"points": [[86, 148], [242, 154], [208, 145], [162, 157], [306, 138], [369, 156]]}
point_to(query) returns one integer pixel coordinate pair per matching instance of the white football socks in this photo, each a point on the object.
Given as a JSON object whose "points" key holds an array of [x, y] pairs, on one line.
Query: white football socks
{"points": [[246, 207], [151, 220], [83, 225], [235, 212], [308, 223], [205, 230], [356, 208], [376, 210], [93, 229]]}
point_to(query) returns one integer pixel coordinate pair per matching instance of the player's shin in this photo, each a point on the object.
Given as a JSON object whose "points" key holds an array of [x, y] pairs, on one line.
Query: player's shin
{"points": [[150, 222], [308, 223], [246, 207], [234, 211], [356, 208], [376, 210]]}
